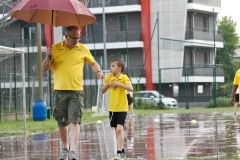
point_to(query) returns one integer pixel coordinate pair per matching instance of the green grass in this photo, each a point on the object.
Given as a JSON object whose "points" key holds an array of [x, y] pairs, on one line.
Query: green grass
{"points": [[46, 126], [184, 110], [50, 125]]}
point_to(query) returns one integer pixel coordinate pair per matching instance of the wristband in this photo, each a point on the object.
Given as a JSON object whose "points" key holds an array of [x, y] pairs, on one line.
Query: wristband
{"points": [[99, 71]]}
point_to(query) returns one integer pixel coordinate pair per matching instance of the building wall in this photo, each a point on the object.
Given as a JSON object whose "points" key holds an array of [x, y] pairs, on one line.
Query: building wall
{"points": [[172, 24]]}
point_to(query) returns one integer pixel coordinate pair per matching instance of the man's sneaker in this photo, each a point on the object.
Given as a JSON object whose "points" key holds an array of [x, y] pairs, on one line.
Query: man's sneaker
{"points": [[118, 157], [72, 155], [64, 154]]}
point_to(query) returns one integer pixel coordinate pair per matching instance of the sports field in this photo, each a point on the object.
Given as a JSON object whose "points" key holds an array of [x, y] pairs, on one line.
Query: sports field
{"points": [[168, 136]]}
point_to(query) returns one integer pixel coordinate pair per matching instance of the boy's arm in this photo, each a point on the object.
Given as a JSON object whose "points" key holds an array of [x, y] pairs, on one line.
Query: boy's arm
{"points": [[128, 87], [105, 88]]}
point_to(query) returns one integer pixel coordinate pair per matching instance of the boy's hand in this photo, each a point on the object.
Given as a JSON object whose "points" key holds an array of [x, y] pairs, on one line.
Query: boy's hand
{"points": [[113, 83]]}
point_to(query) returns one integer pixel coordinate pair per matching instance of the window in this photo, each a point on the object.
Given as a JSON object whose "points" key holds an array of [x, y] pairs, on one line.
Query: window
{"points": [[96, 29], [28, 34], [99, 58], [200, 89], [175, 90], [206, 57], [123, 23], [205, 24], [124, 57]]}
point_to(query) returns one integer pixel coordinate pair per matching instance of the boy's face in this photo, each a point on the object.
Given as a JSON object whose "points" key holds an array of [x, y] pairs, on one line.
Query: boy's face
{"points": [[114, 68]]}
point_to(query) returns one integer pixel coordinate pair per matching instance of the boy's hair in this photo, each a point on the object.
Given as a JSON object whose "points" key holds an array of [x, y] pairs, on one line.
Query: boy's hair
{"points": [[120, 63]]}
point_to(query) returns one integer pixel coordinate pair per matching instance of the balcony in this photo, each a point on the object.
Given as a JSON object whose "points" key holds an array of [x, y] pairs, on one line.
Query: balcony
{"points": [[203, 70], [18, 39], [214, 3], [201, 34], [135, 71], [112, 36], [111, 3]]}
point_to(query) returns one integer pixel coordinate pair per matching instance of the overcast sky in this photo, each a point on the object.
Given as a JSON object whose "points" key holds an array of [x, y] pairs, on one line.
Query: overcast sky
{"points": [[231, 8]]}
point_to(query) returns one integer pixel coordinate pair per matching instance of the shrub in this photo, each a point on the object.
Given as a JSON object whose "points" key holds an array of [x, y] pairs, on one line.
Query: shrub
{"points": [[139, 104], [221, 102]]}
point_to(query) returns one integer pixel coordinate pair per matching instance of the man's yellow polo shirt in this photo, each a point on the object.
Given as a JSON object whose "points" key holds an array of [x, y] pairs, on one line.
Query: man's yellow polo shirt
{"points": [[68, 65], [236, 80], [117, 95]]}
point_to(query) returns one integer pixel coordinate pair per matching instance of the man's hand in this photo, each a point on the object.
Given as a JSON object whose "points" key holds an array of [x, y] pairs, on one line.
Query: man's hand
{"points": [[232, 100], [100, 75], [48, 52]]}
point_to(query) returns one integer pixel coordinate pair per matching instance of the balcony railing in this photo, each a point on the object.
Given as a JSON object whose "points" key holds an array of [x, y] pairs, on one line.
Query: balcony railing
{"points": [[109, 3], [214, 3], [135, 71], [24, 41], [113, 36], [203, 70], [202, 34]]}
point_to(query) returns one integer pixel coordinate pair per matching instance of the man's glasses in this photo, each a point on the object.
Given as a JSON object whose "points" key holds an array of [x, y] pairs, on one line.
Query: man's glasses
{"points": [[74, 38]]}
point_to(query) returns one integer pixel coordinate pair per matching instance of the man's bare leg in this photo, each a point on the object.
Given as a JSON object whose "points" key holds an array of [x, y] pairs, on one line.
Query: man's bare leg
{"points": [[74, 135], [63, 132]]}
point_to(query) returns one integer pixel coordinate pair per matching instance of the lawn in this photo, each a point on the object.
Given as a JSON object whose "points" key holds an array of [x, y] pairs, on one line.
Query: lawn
{"points": [[50, 125]]}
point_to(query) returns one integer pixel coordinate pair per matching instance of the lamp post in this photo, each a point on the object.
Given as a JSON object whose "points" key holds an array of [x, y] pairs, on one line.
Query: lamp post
{"points": [[104, 37]]}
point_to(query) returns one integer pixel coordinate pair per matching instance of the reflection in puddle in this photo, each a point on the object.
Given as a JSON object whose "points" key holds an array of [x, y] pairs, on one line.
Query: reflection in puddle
{"points": [[155, 137]]}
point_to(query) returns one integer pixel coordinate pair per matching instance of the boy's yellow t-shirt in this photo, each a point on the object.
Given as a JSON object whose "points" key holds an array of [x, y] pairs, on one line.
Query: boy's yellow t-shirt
{"points": [[117, 95]]}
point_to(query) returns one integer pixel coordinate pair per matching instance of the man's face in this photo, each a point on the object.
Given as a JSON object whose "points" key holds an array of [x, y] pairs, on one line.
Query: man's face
{"points": [[73, 37]]}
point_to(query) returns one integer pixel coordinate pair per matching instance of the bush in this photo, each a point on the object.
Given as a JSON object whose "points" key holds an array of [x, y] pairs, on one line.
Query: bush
{"points": [[221, 102], [139, 104]]}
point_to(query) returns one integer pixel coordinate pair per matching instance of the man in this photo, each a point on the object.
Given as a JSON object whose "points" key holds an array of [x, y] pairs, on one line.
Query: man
{"points": [[67, 59], [236, 84]]}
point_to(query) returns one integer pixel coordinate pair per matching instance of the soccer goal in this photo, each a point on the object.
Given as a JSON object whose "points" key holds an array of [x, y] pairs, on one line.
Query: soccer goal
{"points": [[12, 87], [102, 99]]}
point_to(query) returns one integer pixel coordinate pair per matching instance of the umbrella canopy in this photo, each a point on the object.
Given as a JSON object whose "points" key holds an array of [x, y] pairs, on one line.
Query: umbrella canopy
{"points": [[53, 12]]}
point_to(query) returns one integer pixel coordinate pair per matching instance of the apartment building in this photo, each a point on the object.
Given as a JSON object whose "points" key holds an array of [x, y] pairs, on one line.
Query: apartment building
{"points": [[168, 45]]}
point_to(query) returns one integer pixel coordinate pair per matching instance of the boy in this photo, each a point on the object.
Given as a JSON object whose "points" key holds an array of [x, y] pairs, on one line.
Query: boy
{"points": [[130, 100], [117, 83]]}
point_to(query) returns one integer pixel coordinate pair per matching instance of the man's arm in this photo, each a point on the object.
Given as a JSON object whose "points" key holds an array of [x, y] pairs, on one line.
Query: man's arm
{"points": [[232, 99], [47, 62], [96, 68]]}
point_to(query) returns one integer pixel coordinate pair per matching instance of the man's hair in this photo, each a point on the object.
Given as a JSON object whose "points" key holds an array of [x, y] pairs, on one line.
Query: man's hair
{"points": [[120, 63], [69, 29]]}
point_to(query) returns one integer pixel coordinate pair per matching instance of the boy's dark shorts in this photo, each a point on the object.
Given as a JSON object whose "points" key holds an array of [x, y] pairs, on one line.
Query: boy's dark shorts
{"points": [[130, 100], [237, 97], [117, 118], [68, 107]]}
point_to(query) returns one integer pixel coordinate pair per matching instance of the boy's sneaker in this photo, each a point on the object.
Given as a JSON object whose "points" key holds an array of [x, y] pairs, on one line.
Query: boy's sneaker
{"points": [[123, 155], [132, 114], [118, 157], [72, 155], [64, 154]]}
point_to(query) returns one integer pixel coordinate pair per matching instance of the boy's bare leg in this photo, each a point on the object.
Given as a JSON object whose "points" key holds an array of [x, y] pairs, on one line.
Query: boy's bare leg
{"points": [[74, 135], [63, 132], [131, 108], [235, 106], [120, 137]]}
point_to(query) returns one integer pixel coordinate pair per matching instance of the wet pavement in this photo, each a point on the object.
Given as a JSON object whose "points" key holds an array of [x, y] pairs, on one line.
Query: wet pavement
{"points": [[147, 137]]}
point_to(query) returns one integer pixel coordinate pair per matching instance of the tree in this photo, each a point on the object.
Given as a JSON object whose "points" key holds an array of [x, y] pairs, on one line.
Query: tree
{"points": [[227, 28]]}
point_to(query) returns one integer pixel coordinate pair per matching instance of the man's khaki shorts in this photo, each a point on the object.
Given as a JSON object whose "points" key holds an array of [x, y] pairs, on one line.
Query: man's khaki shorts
{"points": [[68, 107]]}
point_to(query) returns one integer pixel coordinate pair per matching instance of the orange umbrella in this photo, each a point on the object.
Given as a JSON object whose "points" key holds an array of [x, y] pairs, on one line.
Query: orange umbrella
{"points": [[53, 12]]}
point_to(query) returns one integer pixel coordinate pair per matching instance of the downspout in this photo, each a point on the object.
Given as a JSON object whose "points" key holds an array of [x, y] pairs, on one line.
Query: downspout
{"points": [[146, 34]]}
